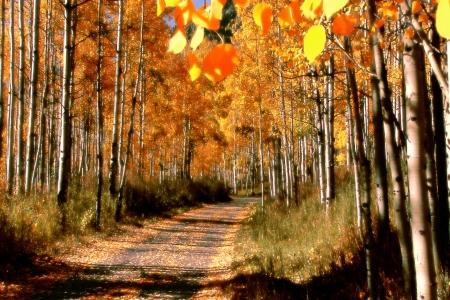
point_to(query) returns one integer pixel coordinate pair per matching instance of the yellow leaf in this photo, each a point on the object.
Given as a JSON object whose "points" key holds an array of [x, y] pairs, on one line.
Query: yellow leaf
{"points": [[416, 7], [314, 42], [409, 33], [183, 12], [344, 25], [442, 13], [312, 8], [161, 5], [220, 62], [290, 14], [205, 19], [170, 3], [332, 6], [262, 14], [198, 37], [194, 69], [177, 42], [216, 8], [242, 3]]}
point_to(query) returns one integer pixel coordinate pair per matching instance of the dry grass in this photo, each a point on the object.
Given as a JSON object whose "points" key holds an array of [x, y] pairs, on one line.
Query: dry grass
{"points": [[302, 252]]}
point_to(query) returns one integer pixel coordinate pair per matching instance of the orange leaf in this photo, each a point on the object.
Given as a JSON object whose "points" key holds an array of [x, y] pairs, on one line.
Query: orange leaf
{"points": [[198, 37], [178, 41], [314, 42], [409, 33], [312, 8], [378, 23], [183, 12], [416, 7], [290, 14], [161, 5], [332, 6], [194, 69], [220, 62], [205, 19], [242, 3], [344, 25], [262, 14]]}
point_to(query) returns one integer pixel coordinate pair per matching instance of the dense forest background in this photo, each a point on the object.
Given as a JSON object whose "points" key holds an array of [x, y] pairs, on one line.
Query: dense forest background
{"points": [[106, 96]]}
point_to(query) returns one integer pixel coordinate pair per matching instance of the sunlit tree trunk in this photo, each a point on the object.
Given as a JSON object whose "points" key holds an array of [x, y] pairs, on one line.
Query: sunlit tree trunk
{"points": [[20, 121], [114, 161], [351, 139], [2, 58], [65, 139], [138, 83], [414, 69], [11, 113], [320, 141], [380, 90], [33, 95], [329, 134]]}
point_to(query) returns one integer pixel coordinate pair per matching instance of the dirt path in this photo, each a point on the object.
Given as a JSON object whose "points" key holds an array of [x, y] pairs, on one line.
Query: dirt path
{"points": [[181, 258]]}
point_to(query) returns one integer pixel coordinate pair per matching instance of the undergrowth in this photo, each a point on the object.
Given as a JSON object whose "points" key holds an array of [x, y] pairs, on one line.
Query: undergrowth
{"points": [[302, 252], [30, 225]]}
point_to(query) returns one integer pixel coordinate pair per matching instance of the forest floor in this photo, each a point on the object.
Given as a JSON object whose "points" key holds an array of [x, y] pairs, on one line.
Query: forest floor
{"points": [[187, 256]]}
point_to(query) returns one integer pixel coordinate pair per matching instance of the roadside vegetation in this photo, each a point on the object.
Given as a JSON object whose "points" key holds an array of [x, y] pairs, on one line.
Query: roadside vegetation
{"points": [[302, 253]]}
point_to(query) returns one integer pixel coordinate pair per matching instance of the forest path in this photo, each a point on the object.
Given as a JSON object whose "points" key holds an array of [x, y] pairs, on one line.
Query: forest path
{"points": [[179, 258]]}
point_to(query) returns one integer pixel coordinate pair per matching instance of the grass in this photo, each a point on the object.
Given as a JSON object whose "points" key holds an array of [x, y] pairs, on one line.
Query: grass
{"points": [[30, 225], [303, 253]]}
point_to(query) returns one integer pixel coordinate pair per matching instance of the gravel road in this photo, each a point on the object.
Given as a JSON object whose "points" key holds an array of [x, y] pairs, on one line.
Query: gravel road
{"points": [[184, 257]]}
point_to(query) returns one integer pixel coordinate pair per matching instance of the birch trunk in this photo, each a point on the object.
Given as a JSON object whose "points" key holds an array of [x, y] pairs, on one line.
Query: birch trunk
{"points": [[65, 139], [2, 59], [20, 121], [413, 65], [33, 95], [11, 113], [114, 161], [366, 185], [138, 83], [329, 134]]}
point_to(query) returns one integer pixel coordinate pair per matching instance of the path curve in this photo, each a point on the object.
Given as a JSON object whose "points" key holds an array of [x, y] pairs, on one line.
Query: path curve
{"points": [[183, 259]]}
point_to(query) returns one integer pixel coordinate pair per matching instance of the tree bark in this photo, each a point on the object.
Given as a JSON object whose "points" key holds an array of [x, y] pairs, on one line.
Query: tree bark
{"points": [[33, 95], [11, 110], [65, 139], [414, 68], [20, 121], [2, 59], [114, 161]]}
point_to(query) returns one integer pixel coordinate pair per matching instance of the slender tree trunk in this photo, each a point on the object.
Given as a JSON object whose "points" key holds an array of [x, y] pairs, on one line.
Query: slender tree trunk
{"points": [[414, 68], [99, 144], [130, 131], [365, 176], [65, 139], [320, 141], [33, 95], [11, 113], [441, 157], [114, 162], [2, 59], [329, 134], [20, 121]]}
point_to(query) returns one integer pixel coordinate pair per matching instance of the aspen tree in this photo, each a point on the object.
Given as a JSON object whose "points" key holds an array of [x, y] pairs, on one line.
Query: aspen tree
{"points": [[2, 58], [414, 72], [11, 104], [20, 121], [33, 95], [114, 160]]}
